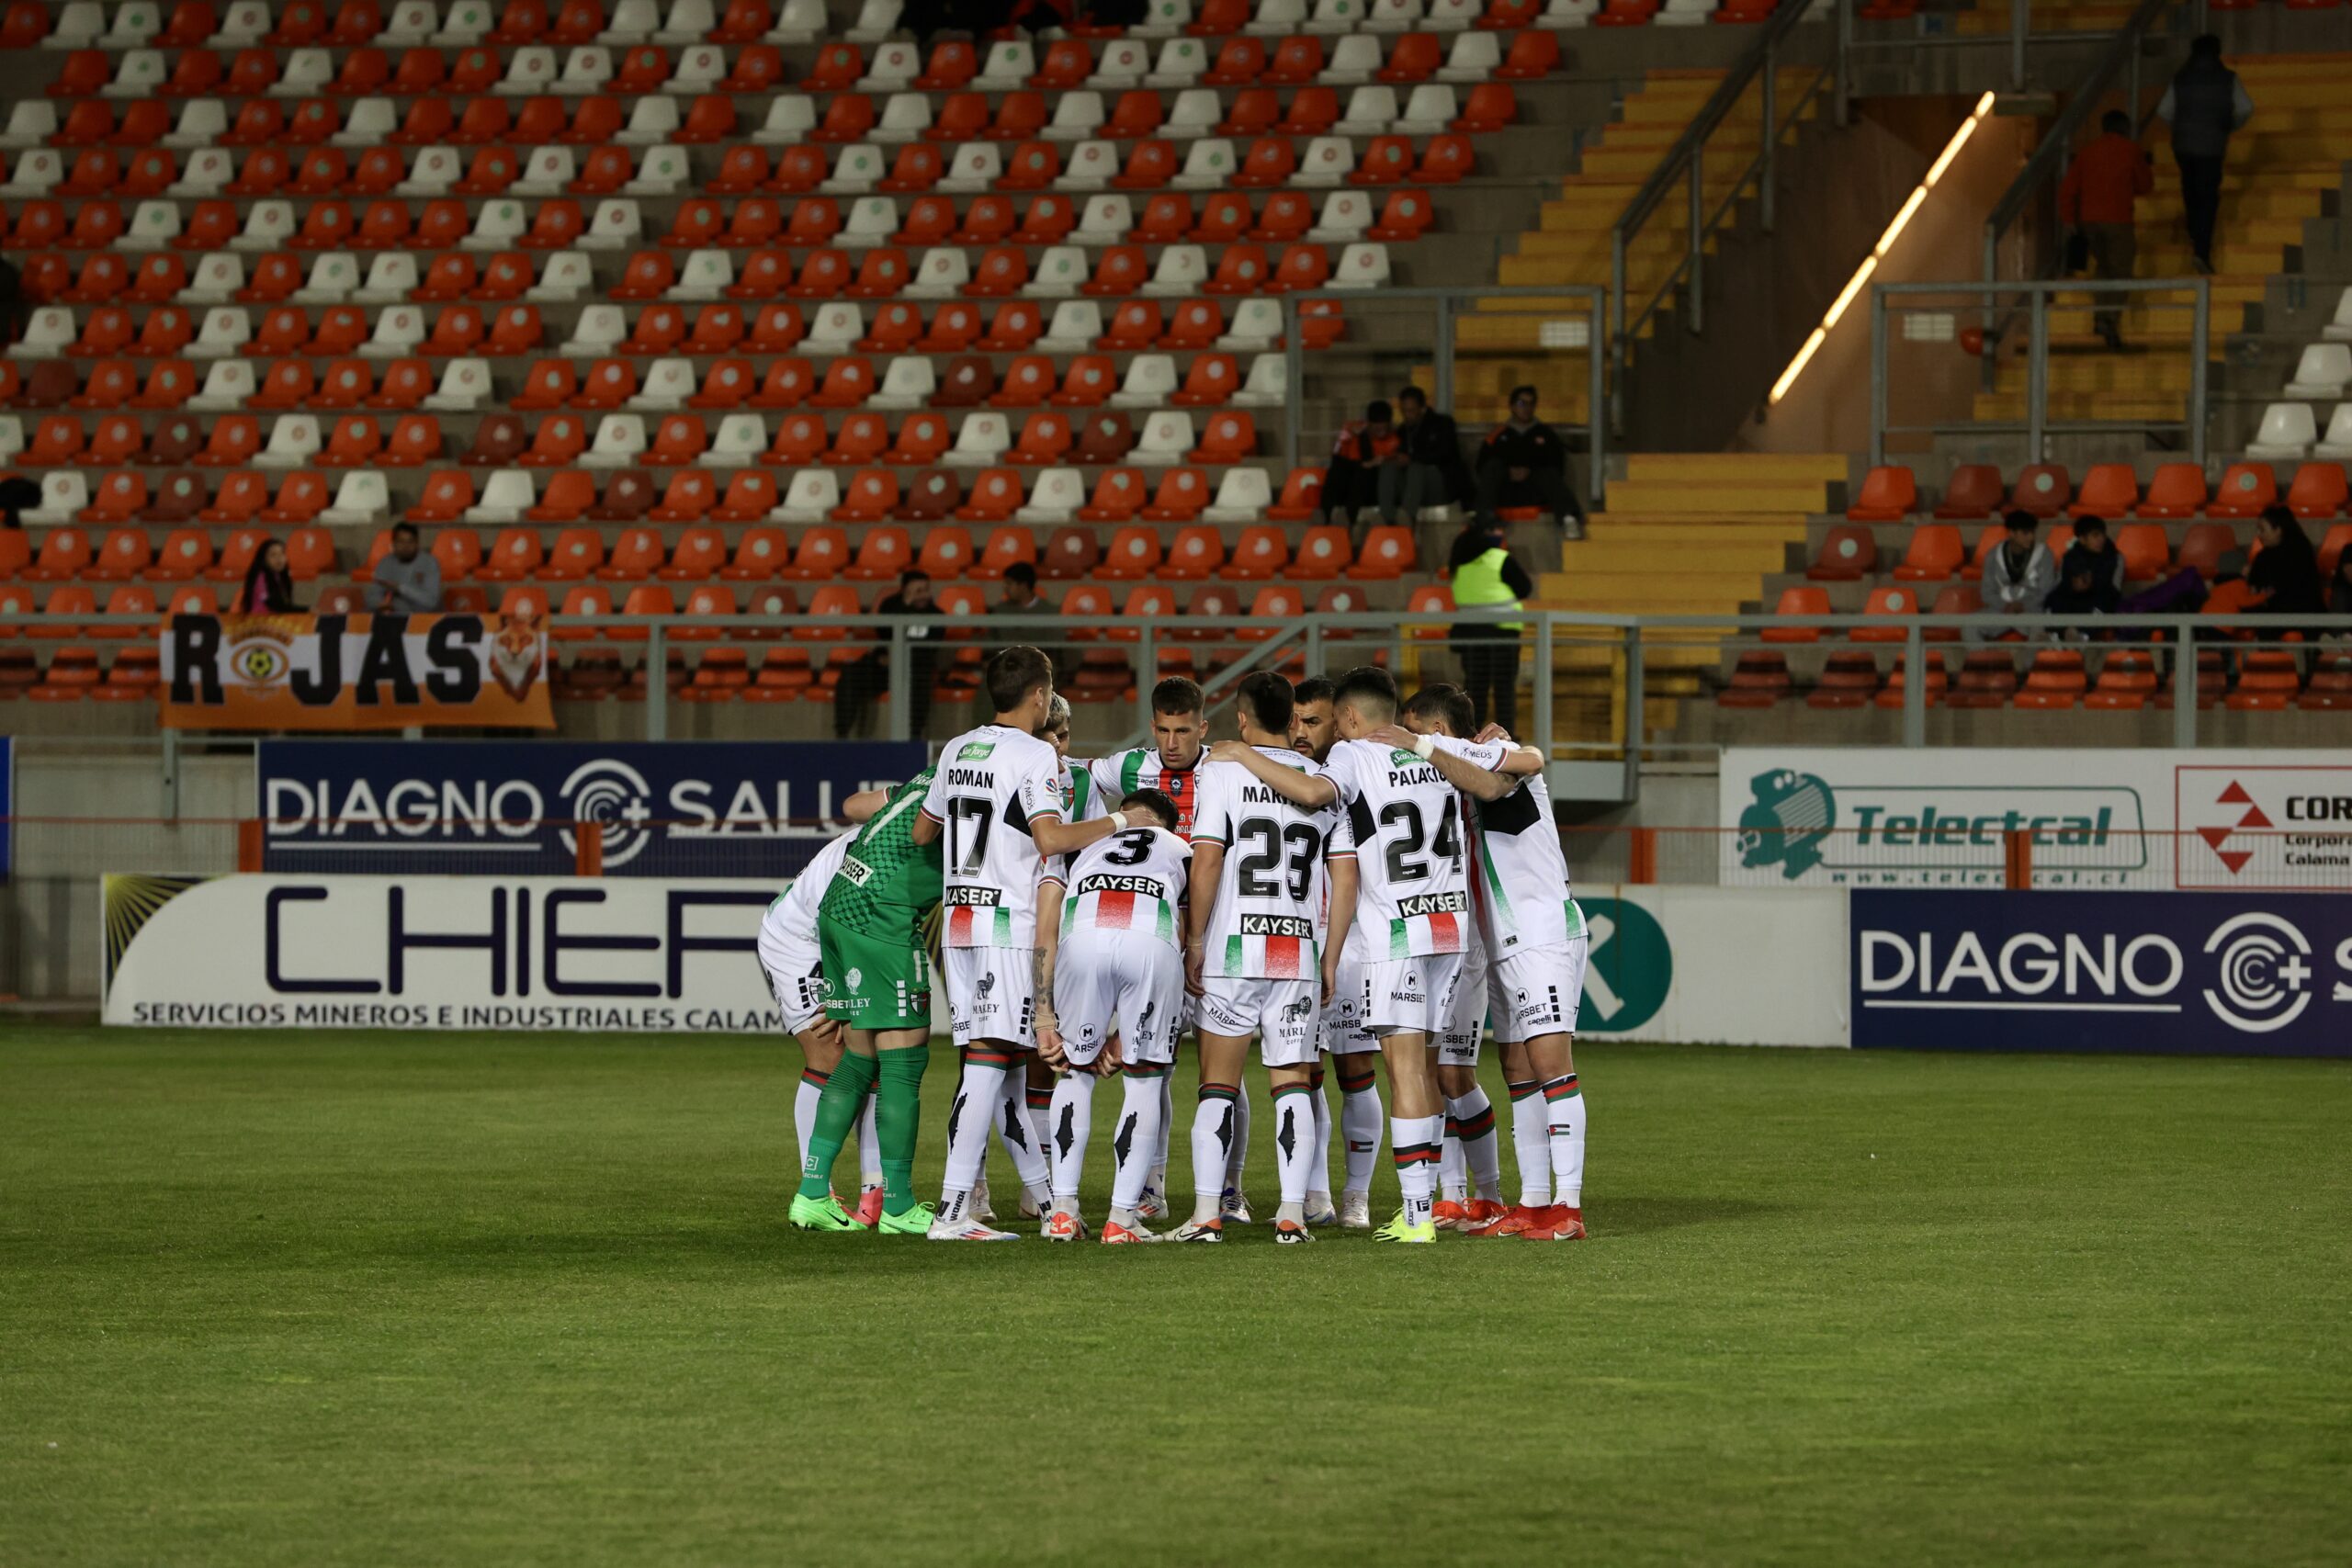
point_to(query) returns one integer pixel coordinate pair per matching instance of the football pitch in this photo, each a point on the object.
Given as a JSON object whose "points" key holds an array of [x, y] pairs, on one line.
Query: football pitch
{"points": [[433, 1299]]}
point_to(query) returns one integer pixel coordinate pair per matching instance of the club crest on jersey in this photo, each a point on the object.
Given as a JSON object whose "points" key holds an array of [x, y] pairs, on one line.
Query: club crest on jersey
{"points": [[975, 752], [856, 977]]}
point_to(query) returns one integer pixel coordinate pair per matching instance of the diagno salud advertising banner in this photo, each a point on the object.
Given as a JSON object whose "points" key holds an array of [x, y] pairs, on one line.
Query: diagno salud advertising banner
{"points": [[355, 672]]}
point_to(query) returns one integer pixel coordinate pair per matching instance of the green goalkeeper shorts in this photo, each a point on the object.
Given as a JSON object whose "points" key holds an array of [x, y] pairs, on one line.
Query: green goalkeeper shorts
{"points": [[873, 980]]}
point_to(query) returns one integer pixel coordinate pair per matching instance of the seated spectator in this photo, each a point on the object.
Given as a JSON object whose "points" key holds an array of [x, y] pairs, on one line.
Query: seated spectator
{"points": [[1426, 468], [2283, 579], [408, 580], [269, 587], [2018, 572], [1525, 463], [16, 495], [2093, 557], [1021, 596], [867, 678], [1351, 485]]}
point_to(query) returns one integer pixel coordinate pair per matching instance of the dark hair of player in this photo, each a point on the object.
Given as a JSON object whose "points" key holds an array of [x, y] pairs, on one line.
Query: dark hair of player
{"points": [[1013, 672], [1449, 705], [1265, 698], [1314, 689], [1158, 804], [1177, 696], [1368, 689]]}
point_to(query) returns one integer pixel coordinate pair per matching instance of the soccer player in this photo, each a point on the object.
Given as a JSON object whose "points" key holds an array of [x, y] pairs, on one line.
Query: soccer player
{"points": [[1251, 956], [1412, 899], [995, 798], [1171, 764], [795, 976], [1313, 730], [1536, 945], [872, 938], [1111, 968]]}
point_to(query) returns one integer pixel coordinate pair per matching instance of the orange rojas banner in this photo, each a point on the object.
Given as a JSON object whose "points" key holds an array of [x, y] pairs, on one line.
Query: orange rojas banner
{"points": [[355, 672]]}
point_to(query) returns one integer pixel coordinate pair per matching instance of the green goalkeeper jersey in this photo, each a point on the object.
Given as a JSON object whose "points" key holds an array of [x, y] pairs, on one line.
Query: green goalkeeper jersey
{"points": [[887, 882]]}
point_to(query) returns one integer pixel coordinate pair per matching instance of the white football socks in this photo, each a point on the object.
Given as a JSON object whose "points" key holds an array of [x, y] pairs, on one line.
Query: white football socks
{"points": [[804, 1111], [1413, 1145], [1360, 1118], [1319, 1177], [1137, 1135], [1214, 1119], [1295, 1159], [1564, 1108], [1018, 1134], [1470, 1125], [978, 1095], [1531, 1142], [1068, 1121], [1238, 1156]]}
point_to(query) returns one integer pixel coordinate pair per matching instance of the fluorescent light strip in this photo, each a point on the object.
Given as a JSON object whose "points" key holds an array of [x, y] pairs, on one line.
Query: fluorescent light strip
{"points": [[1885, 243]]}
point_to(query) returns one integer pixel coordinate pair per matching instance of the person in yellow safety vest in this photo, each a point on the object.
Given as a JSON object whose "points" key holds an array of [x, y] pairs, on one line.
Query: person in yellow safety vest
{"points": [[1484, 574]]}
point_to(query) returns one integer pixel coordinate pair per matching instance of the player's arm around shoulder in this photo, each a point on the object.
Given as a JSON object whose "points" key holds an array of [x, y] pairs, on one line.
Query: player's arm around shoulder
{"points": [[1293, 784]]}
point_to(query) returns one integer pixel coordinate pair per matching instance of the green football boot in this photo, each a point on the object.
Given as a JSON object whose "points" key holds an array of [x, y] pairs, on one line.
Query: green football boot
{"points": [[824, 1213], [915, 1221], [1397, 1230]]}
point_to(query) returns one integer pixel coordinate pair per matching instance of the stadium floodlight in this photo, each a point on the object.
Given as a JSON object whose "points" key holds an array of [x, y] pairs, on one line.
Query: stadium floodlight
{"points": [[1869, 262]]}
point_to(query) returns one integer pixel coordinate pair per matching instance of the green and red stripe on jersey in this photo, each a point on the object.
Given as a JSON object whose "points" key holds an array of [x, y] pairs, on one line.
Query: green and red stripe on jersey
{"points": [[1112, 909], [965, 927], [1287, 957]]}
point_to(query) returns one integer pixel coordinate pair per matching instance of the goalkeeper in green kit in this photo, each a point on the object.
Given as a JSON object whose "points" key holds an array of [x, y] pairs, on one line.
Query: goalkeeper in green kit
{"points": [[872, 937]]}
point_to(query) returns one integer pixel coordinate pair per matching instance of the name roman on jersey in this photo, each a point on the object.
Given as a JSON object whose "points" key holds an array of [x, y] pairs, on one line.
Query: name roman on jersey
{"points": [[855, 872], [1430, 904], [971, 778], [1104, 882], [969, 897], [1276, 925]]}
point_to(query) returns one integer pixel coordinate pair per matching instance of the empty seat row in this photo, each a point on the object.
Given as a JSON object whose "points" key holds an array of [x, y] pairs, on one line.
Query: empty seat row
{"points": [[2109, 490]]}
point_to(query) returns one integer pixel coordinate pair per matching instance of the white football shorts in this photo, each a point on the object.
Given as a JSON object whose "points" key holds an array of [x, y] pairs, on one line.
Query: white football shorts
{"points": [[1122, 983], [1535, 992], [1343, 1031], [1466, 1021], [800, 997], [1281, 1013], [1409, 995], [991, 995]]}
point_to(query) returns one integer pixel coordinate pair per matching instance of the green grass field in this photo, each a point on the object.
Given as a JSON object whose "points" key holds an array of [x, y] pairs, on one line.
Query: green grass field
{"points": [[431, 1300]]}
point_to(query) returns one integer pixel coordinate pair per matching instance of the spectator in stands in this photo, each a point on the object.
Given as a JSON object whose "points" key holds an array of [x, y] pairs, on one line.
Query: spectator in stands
{"points": [[2283, 578], [269, 585], [1350, 482], [2339, 589], [1525, 463], [16, 495], [1021, 596], [2018, 572], [407, 581], [2205, 103], [2106, 179], [1425, 469], [1483, 575], [2093, 566], [868, 677]]}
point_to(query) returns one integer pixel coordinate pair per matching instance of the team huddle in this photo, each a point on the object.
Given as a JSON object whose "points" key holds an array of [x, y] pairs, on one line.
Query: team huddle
{"points": [[1350, 879]]}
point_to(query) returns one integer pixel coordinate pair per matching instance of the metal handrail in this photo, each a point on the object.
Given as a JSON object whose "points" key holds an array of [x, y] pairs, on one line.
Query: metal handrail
{"points": [[2038, 294], [1448, 302], [1686, 161]]}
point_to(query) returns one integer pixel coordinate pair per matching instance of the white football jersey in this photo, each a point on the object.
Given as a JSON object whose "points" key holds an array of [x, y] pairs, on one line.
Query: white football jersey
{"points": [[991, 783], [1122, 774], [1519, 874], [1132, 881], [1413, 888], [1267, 918], [788, 931]]}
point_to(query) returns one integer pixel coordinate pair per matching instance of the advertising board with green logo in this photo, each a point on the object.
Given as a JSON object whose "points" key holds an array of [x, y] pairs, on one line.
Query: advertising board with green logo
{"points": [[1886, 816]]}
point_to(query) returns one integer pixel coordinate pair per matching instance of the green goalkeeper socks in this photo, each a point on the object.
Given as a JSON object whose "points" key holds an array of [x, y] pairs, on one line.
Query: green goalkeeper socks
{"points": [[898, 1116], [838, 1110]]}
